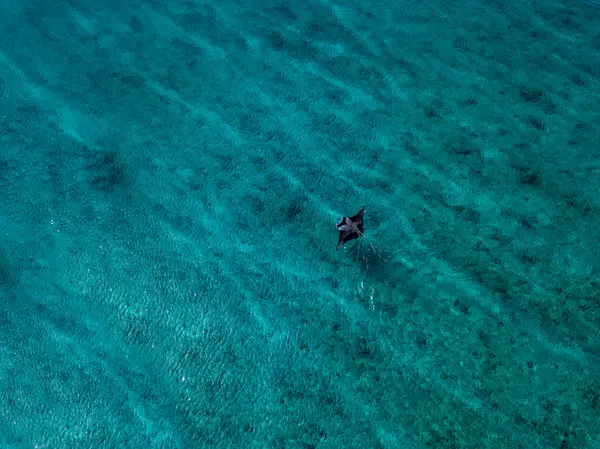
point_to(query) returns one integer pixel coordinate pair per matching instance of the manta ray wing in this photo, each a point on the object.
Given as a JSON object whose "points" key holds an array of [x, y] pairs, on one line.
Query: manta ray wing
{"points": [[358, 220]]}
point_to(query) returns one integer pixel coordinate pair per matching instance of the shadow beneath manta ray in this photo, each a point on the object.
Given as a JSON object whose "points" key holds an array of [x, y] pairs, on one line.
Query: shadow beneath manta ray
{"points": [[372, 261]]}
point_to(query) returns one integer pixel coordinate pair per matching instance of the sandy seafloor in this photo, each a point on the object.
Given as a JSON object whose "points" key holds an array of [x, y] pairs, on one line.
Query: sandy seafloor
{"points": [[171, 174]]}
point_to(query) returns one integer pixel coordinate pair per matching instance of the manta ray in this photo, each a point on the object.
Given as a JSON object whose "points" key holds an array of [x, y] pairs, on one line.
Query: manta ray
{"points": [[351, 228]]}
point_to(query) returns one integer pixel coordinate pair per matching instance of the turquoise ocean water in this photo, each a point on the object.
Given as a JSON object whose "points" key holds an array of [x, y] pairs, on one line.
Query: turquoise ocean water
{"points": [[171, 174]]}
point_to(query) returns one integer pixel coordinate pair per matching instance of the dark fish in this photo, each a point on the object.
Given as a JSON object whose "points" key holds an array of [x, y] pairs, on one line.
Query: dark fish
{"points": [[351, 228]]}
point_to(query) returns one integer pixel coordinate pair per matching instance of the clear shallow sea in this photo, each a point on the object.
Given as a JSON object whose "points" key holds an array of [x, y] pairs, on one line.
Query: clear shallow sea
{"points": [[171, 174]]}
